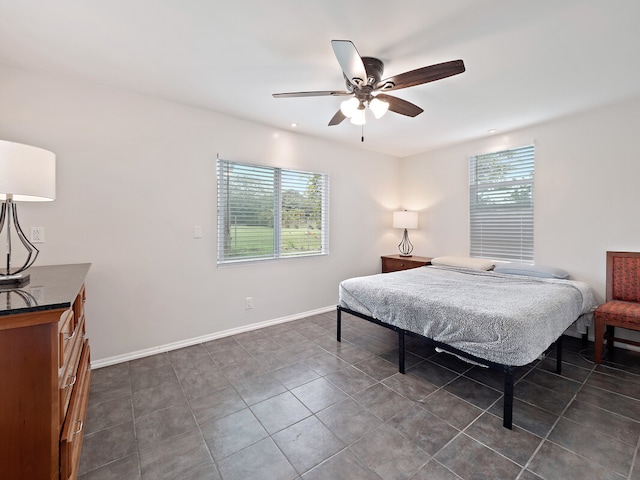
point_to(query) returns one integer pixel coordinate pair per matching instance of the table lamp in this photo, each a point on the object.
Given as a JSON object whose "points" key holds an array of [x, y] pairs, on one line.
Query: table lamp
{"points": [[406, 220], [27, 174]]}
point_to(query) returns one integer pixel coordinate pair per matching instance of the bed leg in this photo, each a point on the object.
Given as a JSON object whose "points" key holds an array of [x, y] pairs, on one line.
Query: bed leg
{"points": [[339, 324], [559, 355], [401, 351], [507, 414]]}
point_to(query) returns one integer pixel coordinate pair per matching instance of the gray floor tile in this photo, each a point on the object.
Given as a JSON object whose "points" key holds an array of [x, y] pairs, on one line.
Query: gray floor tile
{"points": [[350, 380], [469, 459], [307, 443], [218, 403], [424, 429], [106, 446], [613, 402], [617, 456], [228, 435], [473, 392], [195, 386], [410, 386], [434, 470], [263, 457], [433, 373], [324, 363], [516, 444], [318, 394], [175, 456], [258, 388], [553, 461], [529, 417], [377, 368], [294, 375], [280, 412], [108, 414], [157, 397], [344, 466], [383, 402], [153, 361], [141, 417], [547, 399], [349, 420], [124, 468], [160, 425], [600, 420], [399, 462], [451, 409]]}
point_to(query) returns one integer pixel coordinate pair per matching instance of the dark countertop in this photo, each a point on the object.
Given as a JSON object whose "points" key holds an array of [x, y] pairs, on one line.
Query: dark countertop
{"points": [[49, 288]]}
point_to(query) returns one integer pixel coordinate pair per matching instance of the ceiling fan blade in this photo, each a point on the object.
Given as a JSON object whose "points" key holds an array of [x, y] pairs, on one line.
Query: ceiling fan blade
{"points": [[400, 106], [320, 93], [349, 60], [422, 75], [337, 118]]}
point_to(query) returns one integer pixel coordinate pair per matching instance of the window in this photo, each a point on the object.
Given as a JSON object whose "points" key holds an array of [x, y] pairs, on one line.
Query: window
{"points": [[501, 205], [266, 212]]}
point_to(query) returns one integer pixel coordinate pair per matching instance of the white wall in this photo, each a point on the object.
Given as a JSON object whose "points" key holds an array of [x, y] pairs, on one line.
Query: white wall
{"points": [[135, 174], [587, 195]]}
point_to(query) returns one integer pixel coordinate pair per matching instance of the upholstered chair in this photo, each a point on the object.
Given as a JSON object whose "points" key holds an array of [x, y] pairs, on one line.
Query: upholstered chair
{"points": [[622, 307]]}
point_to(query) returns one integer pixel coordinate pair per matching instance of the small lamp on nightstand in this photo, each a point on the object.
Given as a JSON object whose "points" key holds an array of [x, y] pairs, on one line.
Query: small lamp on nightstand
{"points": [[406, 220], [27, 174]]}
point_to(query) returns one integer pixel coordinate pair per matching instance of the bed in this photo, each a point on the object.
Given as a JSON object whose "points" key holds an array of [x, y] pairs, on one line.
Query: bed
{"points": [[498, 320]]}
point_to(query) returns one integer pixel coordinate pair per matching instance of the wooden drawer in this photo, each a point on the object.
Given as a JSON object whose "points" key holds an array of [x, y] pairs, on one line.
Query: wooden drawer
{"points": [[66, 330], [78, 304], [69, 372], [394, 263], [73, 429]]}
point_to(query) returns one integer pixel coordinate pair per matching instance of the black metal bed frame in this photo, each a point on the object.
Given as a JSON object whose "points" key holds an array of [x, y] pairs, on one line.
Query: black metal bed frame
{"points": [[507, 415]]}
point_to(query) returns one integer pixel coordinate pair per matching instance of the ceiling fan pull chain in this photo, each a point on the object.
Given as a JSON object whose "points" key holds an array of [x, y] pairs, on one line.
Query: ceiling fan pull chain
{"points": [[362, 137]]}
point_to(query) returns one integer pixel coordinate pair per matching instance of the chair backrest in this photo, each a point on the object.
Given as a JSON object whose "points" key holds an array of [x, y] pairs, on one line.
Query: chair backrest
{"points": [[623, 276]]}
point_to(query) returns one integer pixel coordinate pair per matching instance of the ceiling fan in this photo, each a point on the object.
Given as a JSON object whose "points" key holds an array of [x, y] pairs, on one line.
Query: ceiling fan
{"points": [[364, 85]]}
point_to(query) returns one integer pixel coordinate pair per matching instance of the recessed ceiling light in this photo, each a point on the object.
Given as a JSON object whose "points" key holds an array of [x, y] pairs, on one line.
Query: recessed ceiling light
{"points": [[492, 130], [294, 125]]}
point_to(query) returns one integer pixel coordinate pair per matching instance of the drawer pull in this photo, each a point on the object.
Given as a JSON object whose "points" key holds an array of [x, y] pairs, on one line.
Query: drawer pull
{"points": [[69, 337], [79, 428], [73, 382], [402, 264]]}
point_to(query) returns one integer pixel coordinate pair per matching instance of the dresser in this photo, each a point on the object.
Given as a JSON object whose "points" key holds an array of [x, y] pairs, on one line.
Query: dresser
{"points": [[45, 374], [393, 263]]}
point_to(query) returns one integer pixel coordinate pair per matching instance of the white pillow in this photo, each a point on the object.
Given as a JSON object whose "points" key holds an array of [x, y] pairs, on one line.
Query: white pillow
{"points": [[464, 262], [541, 271]]}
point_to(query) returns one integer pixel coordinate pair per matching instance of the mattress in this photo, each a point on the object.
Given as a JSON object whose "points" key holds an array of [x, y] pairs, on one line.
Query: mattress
{"points": [[502, 318]]}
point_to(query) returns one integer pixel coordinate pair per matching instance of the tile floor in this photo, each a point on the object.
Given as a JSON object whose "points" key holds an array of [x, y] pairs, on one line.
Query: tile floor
{"points": [[288, 402]]}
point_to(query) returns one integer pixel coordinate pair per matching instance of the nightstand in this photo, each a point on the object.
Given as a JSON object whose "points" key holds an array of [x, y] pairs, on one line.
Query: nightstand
{"points": [[394, 263]]}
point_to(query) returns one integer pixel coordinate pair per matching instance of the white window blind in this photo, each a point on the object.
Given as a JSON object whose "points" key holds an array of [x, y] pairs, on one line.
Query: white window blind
{"points": [[266, 212], [501, 205]]}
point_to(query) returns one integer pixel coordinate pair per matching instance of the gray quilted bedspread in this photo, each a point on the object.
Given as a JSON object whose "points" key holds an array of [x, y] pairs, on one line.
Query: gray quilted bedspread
{"points": [[502, 318]]}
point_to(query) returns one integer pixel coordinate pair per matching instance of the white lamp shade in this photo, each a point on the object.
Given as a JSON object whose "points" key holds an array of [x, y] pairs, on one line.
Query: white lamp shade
{"points": [[350, 107], [378, 107], [358, 117], [405, 219], [27, 173]]}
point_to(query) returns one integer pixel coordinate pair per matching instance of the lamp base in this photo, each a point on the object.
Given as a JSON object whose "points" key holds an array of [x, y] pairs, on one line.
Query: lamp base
{"points": [[405, 245], [17, 279]]}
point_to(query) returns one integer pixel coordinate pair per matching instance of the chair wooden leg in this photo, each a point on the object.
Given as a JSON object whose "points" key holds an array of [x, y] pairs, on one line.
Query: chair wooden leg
{"points": [[610, 333], [598, 339]]}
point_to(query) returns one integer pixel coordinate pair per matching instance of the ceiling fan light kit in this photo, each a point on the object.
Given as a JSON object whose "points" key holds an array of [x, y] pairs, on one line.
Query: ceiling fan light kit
{"points": [[363, 81]]}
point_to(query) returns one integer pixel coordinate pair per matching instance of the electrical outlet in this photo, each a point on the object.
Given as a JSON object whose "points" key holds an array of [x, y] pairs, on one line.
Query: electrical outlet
{"points": [[248, 303], [37, 234]]}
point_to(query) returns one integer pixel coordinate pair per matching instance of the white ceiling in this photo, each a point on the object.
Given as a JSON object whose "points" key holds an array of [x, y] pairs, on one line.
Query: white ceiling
{"points": [[527, 61]]}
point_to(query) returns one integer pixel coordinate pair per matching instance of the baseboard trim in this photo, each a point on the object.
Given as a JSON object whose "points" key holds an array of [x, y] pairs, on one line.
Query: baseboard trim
{"points": [[105, 362]]}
